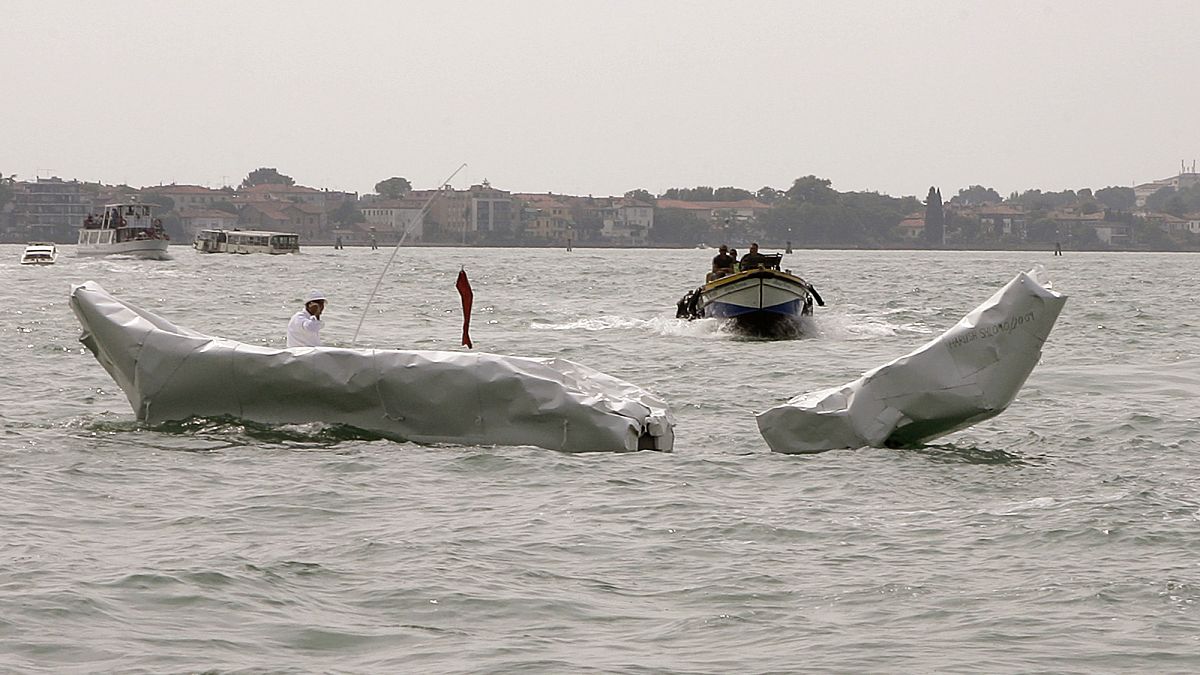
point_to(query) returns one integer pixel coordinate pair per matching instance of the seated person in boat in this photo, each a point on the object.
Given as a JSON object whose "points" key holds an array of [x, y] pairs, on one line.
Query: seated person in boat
{"points": [[722, 264], [753, 259]]}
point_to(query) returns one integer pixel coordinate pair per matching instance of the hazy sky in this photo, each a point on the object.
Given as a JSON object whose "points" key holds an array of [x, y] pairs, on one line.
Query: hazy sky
{"points": [[602, 97]]}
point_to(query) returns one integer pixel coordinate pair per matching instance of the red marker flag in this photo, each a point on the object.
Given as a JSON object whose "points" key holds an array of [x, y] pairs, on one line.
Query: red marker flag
{"points": [[464, 289]]}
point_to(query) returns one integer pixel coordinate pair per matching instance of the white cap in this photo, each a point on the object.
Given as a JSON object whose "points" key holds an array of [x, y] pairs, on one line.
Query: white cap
{"points": [[313, 296]]}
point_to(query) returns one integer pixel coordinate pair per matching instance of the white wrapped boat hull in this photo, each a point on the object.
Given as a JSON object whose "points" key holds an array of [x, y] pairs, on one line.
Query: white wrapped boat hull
{"points": [[968, 374], [171, 373]]}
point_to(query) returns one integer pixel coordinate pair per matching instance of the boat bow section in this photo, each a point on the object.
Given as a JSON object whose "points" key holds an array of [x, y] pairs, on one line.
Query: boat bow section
{"points": [[172, 373]]}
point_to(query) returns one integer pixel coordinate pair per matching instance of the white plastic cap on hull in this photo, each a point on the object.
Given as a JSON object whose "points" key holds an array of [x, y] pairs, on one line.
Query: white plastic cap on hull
{"points": [[172, 373], [970, 373]]}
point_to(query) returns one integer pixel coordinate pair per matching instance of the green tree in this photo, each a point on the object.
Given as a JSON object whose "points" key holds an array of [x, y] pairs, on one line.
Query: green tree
{"points": [[935, 218], [394, 187], [266, 176], [677, 226], [976, 195], [640, 195], [812, 190], [1117, 198], [701, 193], [227, 207], [347, 213], [768, 194], [588, 223], [731, 194]]}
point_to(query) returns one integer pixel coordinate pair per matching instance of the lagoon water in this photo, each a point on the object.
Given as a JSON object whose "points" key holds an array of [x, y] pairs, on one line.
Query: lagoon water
{"points": [[1062, 536]]}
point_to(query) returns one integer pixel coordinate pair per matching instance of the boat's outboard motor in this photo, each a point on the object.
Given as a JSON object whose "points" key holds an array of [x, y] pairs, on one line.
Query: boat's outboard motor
{"points": [[688, 306], [681, 307]]}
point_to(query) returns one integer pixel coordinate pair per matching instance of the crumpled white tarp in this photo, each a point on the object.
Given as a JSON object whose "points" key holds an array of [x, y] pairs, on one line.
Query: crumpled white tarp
{"points": [[172, 373], [970, 373]]}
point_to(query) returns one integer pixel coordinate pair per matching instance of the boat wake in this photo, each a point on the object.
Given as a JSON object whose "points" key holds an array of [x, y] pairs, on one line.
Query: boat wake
{"points": [[659, 325], [863, 327]]}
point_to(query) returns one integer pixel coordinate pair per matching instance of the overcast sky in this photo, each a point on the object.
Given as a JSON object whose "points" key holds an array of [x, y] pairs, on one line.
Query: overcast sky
{"points": [[602, 97]]}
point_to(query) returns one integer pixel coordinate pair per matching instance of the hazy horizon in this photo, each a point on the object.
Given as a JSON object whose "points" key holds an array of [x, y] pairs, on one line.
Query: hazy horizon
{"points": [[604, 97]]}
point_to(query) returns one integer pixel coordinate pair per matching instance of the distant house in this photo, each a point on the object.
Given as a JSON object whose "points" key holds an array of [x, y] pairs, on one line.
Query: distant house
{"points": [[912, 227], [1172, 223], [396, 215], [743, 210], [545, 217], [265, 215], [288, 193], [623, 221], [480, 208], [189, 196], [1111, 233], [49, 209], [1002, 219]]}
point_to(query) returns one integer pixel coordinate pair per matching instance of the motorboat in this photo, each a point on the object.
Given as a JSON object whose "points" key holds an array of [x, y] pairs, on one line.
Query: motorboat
{"points": [[124, 229], [762, 301], [970, 373], [170, 373], [246, 241], [39, 253]]}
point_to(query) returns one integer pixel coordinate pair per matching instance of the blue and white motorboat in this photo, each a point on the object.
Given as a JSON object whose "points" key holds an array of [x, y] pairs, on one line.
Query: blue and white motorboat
{"points": [[761, 302]]}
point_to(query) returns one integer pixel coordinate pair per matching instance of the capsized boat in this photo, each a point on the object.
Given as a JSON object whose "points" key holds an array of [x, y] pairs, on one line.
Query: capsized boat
{"points": [[39, 253], [124, 229], [171, 373], [970, 373], [763, 301]]}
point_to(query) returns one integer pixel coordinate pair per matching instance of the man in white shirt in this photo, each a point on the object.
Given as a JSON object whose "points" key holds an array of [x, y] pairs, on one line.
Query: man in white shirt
{"points": [[304, 330]]}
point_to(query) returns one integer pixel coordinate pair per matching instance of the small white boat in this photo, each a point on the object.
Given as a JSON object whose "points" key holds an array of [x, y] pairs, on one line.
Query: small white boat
{"points": [[171, 373], [39, 253], [124, 229], [246, 241]]}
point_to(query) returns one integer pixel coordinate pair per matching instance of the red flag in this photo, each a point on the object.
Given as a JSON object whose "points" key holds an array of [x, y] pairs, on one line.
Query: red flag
{"points": [[464, 289]]}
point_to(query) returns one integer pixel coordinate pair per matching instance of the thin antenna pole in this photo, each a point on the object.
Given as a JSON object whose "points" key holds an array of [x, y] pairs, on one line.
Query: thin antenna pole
{"points": [[420, 218]]}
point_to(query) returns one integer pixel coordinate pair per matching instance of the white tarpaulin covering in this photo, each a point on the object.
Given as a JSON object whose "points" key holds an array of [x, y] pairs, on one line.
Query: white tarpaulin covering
{"points": [[171, 373], [970, 373]]}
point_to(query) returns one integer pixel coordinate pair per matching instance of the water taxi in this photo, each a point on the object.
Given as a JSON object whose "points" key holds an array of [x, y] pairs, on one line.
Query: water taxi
{"points": [[124, 229], [246, 241], [39, 253]]}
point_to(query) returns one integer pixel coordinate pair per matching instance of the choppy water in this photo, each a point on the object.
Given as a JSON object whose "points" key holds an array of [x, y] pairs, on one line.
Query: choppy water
{"points": [[1059, 537]]}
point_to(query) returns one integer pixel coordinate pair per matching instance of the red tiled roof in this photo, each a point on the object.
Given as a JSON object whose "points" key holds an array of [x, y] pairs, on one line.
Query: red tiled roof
{"points": [[181, 189], [205, 213], [272, 210]]}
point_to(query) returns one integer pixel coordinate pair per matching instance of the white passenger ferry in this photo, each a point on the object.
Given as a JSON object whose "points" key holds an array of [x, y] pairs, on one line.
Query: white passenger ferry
{"points": [[246, 241], [124, 229]]}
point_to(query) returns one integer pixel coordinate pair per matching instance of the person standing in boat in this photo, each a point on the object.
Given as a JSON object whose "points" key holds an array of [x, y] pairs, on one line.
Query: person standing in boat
{"points": [[753, 258], [304, 330]]}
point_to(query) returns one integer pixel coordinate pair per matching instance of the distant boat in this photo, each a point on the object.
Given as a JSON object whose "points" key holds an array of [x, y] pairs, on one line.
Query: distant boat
{"points": [[39, 253], [761, 302], [124, 229], [246, 241]]}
